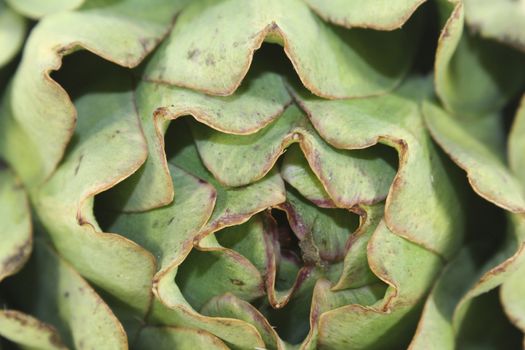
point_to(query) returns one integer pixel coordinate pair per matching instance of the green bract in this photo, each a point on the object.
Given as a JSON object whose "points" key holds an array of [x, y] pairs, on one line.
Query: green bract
{"points": [[278, 174]]}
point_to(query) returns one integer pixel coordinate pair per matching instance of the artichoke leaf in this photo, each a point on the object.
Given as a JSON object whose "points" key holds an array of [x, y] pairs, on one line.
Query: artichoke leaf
{"points": [[422, 184], [66, 301], [171, 308], [512, 287], [328, 228], [503, 21], [409, 270], [296, 171], [446, 314], [234, 206], [487, 173], [501, 268], [36, 9], [370, 174], [12, 33], [511, 294], [460, 302], [378, 15], [258, 102], [473, 76], [217, 268], [15, 225], [356, 271], [208, 272], [325, 299], [228, 305], [109, 146], [435, 330], [123, 33], [181, 295], [516, 144], [28, 332], [154, 229], [211, 47]]}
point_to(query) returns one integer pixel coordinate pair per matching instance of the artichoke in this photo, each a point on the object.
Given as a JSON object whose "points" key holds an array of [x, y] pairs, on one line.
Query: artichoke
{"points": [[298, 174]]}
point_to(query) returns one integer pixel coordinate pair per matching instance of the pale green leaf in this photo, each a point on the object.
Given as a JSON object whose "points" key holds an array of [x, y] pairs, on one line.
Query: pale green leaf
{"points": [[454, 312], [435, 330], [109, 146], [209, 273], [28, 332], [211, 47], [516, 144], [356, 272], [326, 229], [498, 270], [512, 297], [423, 183], [170, 307], [500, 20], [230, 306], [324, 299], [36, 8], [237, 160], [486, 172], [154, 230], [410, 271], [15, 225], [374, 14], [66, 301], [258, 102], [296, 171], [233, 206], [474, 76], [12, 33], [248, 240], [123, 32]]}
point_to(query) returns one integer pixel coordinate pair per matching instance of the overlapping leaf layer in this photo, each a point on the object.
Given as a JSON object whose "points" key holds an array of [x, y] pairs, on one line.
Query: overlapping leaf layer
{"points": [[271, 174]]}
